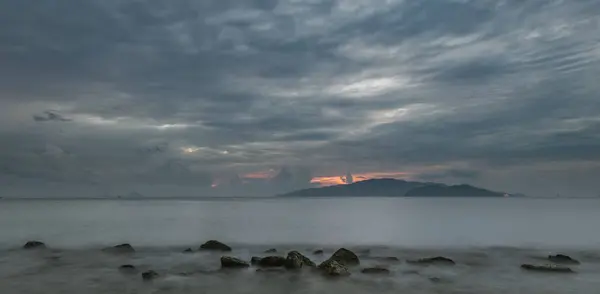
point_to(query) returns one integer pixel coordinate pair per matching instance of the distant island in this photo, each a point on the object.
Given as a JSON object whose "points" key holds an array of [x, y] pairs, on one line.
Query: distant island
{"points": [[395, 188]]}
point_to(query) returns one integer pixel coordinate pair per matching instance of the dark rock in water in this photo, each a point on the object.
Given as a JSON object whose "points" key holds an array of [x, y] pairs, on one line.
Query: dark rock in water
{"points": [[375, 270], [318, 252], [232, 262], [296, 260], [547, 268], [188, 250], [149, 275], [272, 250], [433, 260], [121, 248], [127, 268], [345, 257], [214, 245], [34, 245], [561, 258], [255, 260], [386, 258], [331, 267], [272, 261], [435, 280]]}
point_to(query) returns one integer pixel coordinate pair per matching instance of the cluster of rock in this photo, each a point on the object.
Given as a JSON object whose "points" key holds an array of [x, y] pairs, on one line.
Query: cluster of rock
{"points": [[337, 265]]}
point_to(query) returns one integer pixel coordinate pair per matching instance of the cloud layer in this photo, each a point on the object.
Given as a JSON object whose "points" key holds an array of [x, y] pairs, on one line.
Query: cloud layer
{"points": [[192, 95]]}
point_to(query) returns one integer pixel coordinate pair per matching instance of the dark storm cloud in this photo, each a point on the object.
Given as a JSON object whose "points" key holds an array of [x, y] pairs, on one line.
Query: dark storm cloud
{"points": [[179, 92]]}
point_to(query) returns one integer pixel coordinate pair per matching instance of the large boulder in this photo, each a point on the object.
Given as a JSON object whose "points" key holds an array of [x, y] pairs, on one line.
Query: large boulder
{"points": [[149, 275], [120, 249], [34, 245], [345, 257], [296, 260], [233, 262], [561, 258], [547, 268], [331, 267], [375, 270], [215, 246], [433, 260], [272, 261]]}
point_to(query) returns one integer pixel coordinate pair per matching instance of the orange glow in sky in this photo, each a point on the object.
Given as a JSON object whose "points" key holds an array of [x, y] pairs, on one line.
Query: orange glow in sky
{"points": [[266, 174], [337, 180]]}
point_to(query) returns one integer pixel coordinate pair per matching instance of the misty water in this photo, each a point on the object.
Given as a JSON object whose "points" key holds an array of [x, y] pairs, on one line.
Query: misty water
{"points": [[488, 238]]}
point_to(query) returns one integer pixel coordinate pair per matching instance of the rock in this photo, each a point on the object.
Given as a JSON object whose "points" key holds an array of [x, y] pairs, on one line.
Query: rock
{"points": [[121, 249], [255, 260], [318, 252], [433, 260], [188, 250], [272, 261], [375, 270], [296, 260], [387, 258], [272, 250], [149, 275], [232, 262], [561, 258], [215, 246], [127, 268], [34, 245], [331, 267], [345, 257], [547, 268]]}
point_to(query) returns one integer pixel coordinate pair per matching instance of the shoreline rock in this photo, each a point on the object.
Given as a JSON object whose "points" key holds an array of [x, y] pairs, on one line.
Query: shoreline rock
{"points": [[561, 258], [34, 245], [295, 260], [333, 268], [318, 252], [272, 250], [375, 270], [272, 261], [214, 245], [345, 257], [120, 249], [551, 268], [233, 262], [433, 260], [149, 275]]}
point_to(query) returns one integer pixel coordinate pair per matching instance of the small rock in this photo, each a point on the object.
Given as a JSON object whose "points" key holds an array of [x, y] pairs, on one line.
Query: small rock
{"points": [[433, 260], [272, 261], [232, 262], [272, 250], [255, 260], [122, 248], [34, 245], [375, 270], [345, 257], [561, 258], [128, 268], [188, 250], [547, 268], [296, 260], [318, 252], [435, 279], [215, 246], [331, 267], [149, 275]]}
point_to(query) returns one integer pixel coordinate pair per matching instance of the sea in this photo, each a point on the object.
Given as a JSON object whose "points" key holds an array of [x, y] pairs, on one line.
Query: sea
{"points": [[488, 238]]}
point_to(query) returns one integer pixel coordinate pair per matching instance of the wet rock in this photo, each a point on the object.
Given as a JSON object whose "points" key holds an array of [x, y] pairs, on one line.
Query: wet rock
{"points": [[375, 270], [387, 258], [345, 257], [561, 258], [331, 267], [547, 268], [149, 275], [34, 245], [272, 250], [215, 246], [120, 249], [188, 250], [127, 268], [318, 252], [296, 260], [272, 261], [433, 260], [255, 260], [233, 262]]}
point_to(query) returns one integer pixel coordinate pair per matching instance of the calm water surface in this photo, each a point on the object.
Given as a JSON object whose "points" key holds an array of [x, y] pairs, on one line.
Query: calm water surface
{"points": [[489, 239]]}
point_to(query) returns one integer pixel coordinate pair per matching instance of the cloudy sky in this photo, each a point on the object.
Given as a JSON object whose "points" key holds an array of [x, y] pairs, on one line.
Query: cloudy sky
{"points": [[256, 97]]}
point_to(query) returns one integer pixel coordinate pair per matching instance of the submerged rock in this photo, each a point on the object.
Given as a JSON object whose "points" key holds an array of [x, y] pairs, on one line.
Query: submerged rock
{"points": [[345, 257], [272, 261], [547, 268], [188, 250], [318, 252], [255, 260], [34, 245], [331, 267], [561, 258], [127, 268], [272, 250], [296, 260], [433, 260], [121, 248], [215, 246], [233, 262], [149, 275], [375, 270]]}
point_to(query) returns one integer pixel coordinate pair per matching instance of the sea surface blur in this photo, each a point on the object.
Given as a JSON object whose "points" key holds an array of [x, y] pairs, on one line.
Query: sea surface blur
{"points": [[488, 238]]}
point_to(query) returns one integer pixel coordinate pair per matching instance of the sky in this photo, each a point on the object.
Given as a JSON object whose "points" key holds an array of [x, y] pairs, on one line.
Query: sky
{"points": [[259, 97]]}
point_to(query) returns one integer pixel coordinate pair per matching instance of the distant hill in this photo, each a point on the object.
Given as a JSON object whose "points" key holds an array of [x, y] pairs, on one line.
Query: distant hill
{"points": [[393, 187]]}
